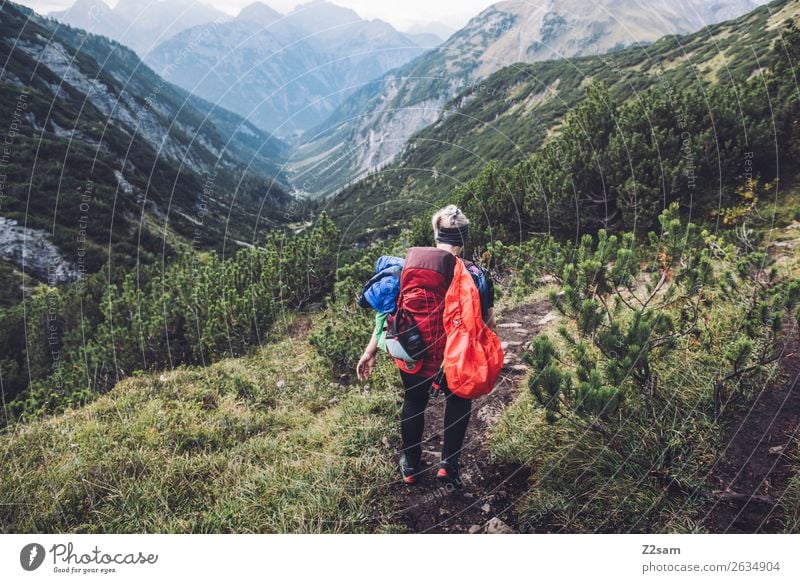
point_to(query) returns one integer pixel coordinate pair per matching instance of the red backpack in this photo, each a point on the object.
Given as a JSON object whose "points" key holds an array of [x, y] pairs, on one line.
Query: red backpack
{"points": [[415, 334], [473, 356]]}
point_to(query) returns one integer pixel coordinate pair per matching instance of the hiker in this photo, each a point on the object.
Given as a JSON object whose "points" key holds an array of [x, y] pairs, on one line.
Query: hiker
{"points": [[426, 275]]}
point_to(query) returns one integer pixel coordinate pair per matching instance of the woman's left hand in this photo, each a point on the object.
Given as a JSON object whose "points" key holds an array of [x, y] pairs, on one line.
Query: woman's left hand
{"points": [[365, 366]]}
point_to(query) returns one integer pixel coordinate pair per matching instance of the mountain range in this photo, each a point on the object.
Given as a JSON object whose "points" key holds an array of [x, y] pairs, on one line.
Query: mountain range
{"points": [[512, 113], [140, 26], [285, 73], [318, 76], [368, 130]]}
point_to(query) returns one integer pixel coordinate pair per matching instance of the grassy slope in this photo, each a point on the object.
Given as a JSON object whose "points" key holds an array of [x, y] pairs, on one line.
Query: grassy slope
{"points": [[510, 114], [787, 242], [224, 448]]}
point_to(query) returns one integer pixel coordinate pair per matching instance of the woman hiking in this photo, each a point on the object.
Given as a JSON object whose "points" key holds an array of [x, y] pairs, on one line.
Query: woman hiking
{"points": [[426, 276]]}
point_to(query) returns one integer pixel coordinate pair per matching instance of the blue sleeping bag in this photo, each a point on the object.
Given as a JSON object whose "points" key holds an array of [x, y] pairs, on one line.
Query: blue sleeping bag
{"points": [[380, 293]]}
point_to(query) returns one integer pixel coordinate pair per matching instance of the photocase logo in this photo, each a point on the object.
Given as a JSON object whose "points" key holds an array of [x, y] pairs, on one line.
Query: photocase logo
{"points": [[31, 556]]}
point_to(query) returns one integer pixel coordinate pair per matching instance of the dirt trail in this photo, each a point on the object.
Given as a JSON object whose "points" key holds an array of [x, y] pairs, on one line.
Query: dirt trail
{"points": [[490, 490], [755, 468]]}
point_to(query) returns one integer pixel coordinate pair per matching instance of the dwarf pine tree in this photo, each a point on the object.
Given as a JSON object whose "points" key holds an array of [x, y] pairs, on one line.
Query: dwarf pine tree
{"points": [[624, 313], [83, 338], [633, 312]]}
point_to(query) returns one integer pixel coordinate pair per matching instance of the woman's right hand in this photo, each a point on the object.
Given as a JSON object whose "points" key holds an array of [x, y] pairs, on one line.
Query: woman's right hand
{"points": [[365, 366]]}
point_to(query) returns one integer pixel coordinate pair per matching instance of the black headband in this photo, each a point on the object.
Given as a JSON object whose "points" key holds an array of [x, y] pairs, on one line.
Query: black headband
{"points": [[456, 236]]}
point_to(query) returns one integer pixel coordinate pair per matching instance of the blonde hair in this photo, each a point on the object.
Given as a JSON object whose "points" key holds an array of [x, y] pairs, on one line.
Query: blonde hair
{"points": [[450, 217]]}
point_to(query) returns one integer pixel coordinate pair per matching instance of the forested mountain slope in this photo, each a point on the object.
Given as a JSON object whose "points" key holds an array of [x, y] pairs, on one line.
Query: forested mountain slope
{"points": [[507, 117], [369, 129], [110, 163]]}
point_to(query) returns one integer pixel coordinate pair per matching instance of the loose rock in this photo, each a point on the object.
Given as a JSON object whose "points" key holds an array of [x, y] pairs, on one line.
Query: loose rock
{"points": [[497, 526], [546, 319]]}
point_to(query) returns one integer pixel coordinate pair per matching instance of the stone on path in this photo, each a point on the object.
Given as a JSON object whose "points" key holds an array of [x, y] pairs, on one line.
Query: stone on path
{"points": [[546, 319], [497, 526]]}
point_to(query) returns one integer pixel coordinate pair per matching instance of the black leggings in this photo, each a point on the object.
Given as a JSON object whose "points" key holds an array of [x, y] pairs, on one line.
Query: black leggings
{"points": [[456, 418]]}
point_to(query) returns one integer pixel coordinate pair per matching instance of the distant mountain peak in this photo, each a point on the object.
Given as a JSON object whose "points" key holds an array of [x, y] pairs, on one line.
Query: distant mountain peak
{"points": [[439, 29], [320, 15], [136, 24], [135, 6], [91, 4], [259, 13], [94, 16]]}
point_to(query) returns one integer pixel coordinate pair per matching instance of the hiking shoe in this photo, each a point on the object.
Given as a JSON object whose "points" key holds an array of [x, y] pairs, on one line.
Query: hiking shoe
{"points": [[448, 475], [408, 471]]}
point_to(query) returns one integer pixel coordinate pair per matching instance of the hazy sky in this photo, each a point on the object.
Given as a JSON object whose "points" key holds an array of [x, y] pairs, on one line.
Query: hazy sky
{"points": [[401, 13]]}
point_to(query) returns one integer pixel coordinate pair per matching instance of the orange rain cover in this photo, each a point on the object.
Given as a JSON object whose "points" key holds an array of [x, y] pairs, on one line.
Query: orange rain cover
{"points": [[473, 357]]}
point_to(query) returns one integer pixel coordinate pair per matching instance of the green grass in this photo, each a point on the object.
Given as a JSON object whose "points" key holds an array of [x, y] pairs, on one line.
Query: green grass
{"points": [[577, 483], [790, 501], [580, 484], [228, 448], [781, 226]]}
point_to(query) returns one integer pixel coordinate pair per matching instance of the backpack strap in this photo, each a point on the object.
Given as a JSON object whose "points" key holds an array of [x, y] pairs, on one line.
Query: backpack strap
{"points": [[437, 384], [481, 280]]}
